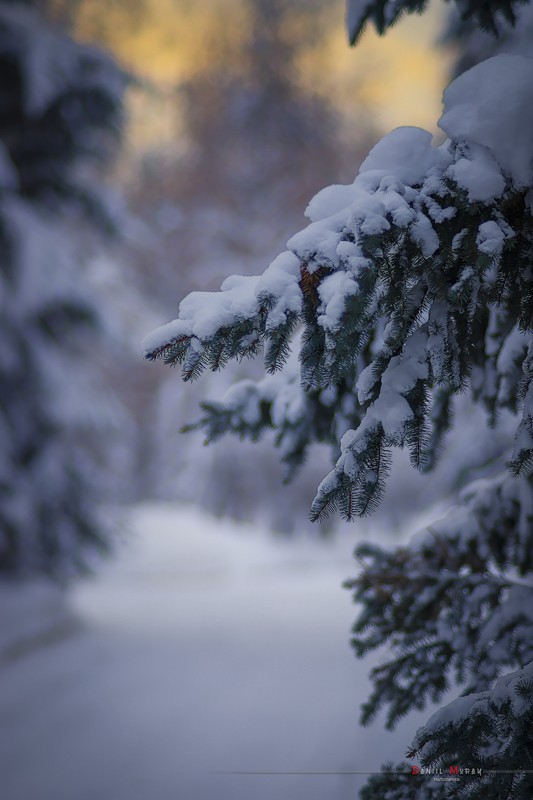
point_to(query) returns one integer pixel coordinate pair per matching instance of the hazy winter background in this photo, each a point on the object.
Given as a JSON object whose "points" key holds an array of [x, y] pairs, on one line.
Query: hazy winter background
{"points": [[216, 639]]}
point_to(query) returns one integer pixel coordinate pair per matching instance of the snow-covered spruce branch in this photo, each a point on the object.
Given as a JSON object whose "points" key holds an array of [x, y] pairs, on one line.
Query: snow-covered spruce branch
{"points": [[492, 729], [279, 403], [448, 605], [250, 408], [424, 261], [488, 733], [214, 327]]}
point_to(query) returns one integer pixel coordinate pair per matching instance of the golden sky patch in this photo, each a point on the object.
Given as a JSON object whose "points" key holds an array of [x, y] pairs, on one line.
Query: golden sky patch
{"points": [[399, 77], [396, 79]]}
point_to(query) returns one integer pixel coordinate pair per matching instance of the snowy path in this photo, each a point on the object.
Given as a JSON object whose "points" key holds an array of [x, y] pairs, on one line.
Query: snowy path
{"points": [[202, 649]]}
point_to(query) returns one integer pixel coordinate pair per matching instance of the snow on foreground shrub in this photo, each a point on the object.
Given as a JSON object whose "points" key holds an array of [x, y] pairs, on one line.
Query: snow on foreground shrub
{"points": [[409, 286]]}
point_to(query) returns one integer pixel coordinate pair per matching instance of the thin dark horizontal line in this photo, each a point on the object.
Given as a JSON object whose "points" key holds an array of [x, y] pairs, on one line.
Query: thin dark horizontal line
{"points": [[486, 771]]}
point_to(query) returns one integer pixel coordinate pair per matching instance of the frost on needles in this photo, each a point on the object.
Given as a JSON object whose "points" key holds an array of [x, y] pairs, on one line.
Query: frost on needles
{"points": [[409, 286]]}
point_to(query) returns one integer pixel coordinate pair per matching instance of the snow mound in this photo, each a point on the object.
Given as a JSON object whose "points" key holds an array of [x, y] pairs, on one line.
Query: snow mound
{"points": [[492, 105], [405, 152]]}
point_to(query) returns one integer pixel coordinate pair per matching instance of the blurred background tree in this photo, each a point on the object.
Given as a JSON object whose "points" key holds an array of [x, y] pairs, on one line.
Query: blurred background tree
{"points": [[60, 119]]}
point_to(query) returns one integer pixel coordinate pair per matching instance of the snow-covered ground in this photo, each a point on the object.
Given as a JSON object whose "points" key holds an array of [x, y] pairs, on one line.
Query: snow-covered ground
{"points": [[204, 648]]}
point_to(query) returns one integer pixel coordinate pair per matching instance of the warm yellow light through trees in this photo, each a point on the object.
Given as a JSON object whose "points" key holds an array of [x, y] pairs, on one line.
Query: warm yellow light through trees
{"points": [[396, 80]]}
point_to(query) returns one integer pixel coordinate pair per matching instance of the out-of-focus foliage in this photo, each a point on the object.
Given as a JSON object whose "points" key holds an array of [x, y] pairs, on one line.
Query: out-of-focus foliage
{"points": [[60, 116], [475, 45], [487, 16]]}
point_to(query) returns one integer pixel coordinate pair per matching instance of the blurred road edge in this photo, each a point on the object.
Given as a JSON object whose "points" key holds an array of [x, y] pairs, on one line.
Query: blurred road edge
{"points": [[33, 614]]}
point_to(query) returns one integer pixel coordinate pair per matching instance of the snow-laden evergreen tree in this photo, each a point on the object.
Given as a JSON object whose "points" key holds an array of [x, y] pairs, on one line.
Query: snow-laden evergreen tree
{"points": [[411, 286], [60, 112]]}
